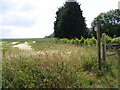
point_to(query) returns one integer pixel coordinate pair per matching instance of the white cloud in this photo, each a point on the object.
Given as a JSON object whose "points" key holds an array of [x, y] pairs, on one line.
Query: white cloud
{"points": [[7, 5], [17, 20], [91, 8], [70, 0], [38, 19], [119, 5]]}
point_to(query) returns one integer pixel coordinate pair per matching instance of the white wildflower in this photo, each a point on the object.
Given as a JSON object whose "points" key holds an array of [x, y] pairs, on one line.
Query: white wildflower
{"points": [[14, 42], [24, 46], [34, 41]]}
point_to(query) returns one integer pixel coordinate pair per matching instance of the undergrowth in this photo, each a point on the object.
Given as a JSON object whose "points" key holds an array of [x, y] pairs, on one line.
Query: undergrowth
{"points": [[57, 65]]}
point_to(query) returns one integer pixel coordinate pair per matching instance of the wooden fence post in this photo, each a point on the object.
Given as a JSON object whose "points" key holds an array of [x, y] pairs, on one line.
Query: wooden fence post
{"points": [[98, 45], [118, 64], [103, 47]]}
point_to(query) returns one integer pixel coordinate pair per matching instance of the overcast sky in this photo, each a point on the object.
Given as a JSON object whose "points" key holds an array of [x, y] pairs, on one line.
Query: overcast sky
{"points": [[35, 18]]}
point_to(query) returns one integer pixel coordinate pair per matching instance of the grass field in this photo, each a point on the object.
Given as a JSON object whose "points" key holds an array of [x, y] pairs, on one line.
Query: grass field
{"points": [[55, 65]]}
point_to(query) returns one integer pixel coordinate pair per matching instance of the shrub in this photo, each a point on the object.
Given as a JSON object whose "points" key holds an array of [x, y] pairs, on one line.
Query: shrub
{"points": [[88, 41], [89, 64], [115, 40], [55, 39], [71, 41], [76, 41], [82, 40], [108, 39], [93, 40]]}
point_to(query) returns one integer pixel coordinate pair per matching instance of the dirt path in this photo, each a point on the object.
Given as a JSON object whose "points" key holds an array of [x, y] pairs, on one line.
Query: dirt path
{"points": [[24, 46]]}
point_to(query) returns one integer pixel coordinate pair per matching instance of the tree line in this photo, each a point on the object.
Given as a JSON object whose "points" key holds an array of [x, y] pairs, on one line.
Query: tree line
{"points": [[70, 22]]}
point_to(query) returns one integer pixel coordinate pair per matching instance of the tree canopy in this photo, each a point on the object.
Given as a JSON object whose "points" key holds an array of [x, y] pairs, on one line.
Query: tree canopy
{"points": [[109, 22], [70, 22]]}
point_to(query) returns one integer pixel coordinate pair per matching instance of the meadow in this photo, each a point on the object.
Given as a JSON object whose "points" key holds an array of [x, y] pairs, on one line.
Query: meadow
{"points": [[53, 64]]}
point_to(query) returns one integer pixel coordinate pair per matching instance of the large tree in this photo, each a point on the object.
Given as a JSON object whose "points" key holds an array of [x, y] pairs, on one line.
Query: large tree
{"points": [[109, 22], [70, 22]]}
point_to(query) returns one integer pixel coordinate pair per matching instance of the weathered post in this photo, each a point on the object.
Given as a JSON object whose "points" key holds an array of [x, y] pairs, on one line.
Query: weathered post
{"points": [[119, 66], [103, 47], [98, 44]]}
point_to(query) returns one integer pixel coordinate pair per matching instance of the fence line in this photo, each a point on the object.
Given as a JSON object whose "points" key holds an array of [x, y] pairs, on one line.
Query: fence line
{"points": [[104, 55], [112, 54], [115, 44]]}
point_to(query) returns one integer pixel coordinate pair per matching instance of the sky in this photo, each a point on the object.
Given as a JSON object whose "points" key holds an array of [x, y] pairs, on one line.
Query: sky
{"points": [[35, 18]]}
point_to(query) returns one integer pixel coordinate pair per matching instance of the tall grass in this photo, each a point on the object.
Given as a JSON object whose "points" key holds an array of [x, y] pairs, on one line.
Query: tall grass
{"points": [[57, 65]]}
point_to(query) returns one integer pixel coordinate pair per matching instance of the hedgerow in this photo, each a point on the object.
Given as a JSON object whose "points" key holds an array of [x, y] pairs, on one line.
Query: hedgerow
{"points": [[88, 41]]}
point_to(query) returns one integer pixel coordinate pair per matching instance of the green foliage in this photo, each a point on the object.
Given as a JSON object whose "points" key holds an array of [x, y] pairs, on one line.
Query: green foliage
{"points": [[70, 22], [108, 39], [89, 41], [55, 39], [109, 21], [5, 48], [112, 40], [57, 65], [82, 40], [115, 40], [76, 41], [89, 64], [50, 36]]}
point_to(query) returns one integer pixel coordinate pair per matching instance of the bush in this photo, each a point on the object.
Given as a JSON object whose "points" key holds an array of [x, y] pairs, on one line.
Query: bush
{"points": [[55, 39], [108, 39], [88, 41], [71, 41], [115, 40], [89, 64], [76, 41], [93, 40], [82, 40]]}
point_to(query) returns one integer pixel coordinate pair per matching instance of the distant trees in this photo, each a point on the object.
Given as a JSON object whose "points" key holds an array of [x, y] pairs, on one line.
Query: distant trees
{"points": [[109, 21], [50, 36], [70, 22]]}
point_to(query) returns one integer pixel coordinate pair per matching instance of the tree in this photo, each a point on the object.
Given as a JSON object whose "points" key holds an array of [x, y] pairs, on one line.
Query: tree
{"points": [[69, 21], [50, 36], [109, 22]]}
